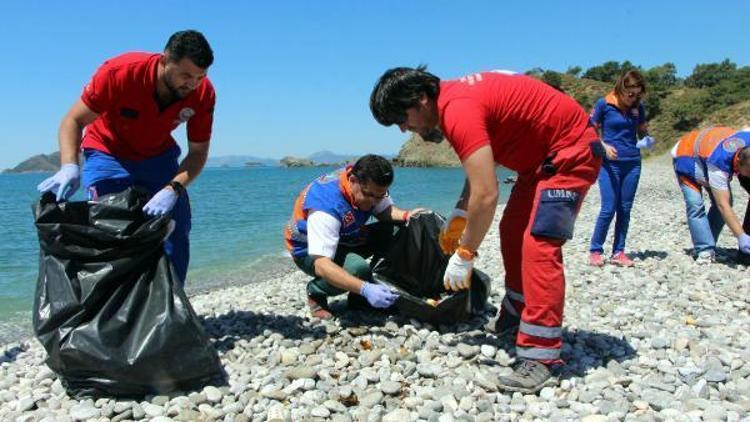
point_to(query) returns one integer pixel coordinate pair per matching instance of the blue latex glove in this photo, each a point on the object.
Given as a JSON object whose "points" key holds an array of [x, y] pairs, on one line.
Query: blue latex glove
{"points": [[743, 241], [646, 142], [161, 203], [378, 295], [64, 183]]}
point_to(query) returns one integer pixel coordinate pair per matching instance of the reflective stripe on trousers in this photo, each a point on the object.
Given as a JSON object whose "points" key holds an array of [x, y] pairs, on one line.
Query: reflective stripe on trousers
{"points": [[534, 263]]}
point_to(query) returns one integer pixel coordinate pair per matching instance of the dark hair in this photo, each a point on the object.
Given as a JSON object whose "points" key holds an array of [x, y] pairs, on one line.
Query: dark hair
{"points": [[191, 44], [401, 88], [630, 79], [373, 168], [744, 155]]}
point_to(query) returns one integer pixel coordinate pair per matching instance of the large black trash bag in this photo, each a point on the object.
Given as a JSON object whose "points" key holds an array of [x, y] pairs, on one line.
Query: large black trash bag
{"points": [[107, 308], [415, 264]]}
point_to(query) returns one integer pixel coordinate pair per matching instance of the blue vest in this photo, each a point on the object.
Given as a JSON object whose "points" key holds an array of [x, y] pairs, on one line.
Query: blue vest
{"points": [[724, 154], [326, 194]]}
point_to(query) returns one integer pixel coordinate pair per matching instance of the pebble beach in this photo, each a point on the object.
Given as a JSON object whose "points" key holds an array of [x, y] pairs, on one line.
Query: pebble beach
{"points": [[665, 340]]}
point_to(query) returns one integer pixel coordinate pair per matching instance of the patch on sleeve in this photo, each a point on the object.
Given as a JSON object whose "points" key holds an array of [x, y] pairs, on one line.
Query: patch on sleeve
{"points": [[732, 144]]}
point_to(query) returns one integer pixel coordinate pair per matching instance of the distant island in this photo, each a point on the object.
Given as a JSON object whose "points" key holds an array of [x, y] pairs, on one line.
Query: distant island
{"points": [[37, 163], [51, 162]]}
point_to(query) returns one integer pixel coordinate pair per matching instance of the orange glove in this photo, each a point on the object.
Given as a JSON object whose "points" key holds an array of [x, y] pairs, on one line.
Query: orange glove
{"points": [[451, 233]]}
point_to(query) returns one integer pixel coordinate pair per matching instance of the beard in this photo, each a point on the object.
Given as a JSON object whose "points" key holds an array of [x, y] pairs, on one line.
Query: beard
{"points": [[433, 135], [175, 92]]}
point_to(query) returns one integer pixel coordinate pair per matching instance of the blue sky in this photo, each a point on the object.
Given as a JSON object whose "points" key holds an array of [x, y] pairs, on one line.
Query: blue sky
{"points": [[294, 77]]}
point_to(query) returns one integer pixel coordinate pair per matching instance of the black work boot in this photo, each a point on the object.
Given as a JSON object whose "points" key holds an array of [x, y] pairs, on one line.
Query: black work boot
{"points": [[357, 302], [503, 325], [529, 376]]}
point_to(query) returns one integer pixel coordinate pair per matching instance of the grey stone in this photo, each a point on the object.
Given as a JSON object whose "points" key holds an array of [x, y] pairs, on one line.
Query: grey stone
{"points": [[82, 412], [390, 387], [213, 394], [467, 351], [371, 399], [398, 415], [302, 372], [25, 404], [334, 406], [152, 409], [159, 400], [320, 412], [274, 395], [715, 375]]}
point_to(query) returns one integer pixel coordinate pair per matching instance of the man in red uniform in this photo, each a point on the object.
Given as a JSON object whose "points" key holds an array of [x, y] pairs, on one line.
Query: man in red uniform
{"points": [[129, 109], [516, 121]]}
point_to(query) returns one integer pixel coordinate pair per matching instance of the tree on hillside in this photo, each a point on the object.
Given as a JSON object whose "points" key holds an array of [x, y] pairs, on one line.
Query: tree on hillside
{"points": [[574, 71], [661, 77], [659, 80], [733, 89], [710, 74], [552, 79], [608, 71], [535, 72]]}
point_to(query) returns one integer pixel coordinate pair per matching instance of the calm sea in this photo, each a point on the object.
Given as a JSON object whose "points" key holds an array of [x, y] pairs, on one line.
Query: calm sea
{"points": [[238, 215]]}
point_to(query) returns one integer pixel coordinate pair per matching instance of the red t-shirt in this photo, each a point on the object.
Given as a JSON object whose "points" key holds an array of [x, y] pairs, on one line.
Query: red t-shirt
{"points": [[130, 124], [521, 118]]}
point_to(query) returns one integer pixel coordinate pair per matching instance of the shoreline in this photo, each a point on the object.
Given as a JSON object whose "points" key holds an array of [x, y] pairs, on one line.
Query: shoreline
{"points": [[666, 339]]}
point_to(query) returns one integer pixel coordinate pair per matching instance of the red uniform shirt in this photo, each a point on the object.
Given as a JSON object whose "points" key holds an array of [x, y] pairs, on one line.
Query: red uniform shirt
{"points": [[130, 124], [522, 119]]}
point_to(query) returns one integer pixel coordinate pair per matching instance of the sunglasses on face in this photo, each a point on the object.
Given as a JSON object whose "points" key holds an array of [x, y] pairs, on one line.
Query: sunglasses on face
{"points": [[634, 94]]}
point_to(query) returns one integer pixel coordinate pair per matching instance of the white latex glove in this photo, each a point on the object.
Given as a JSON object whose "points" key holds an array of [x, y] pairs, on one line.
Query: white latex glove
{"points": [[457, 273]]}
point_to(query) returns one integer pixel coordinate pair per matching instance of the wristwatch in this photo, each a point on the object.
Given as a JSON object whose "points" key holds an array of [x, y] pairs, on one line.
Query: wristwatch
{"points": [[177, 187]]}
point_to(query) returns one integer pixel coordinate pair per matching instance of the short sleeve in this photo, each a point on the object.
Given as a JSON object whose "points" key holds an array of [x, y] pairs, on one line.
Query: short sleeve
{"points": [[717, 178], [322, 234], [100, 92], [464, 124], [199, 126]]}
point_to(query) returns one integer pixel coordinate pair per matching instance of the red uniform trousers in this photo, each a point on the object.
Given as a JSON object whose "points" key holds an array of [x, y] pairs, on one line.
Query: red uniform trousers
{"points": [[537, 220]]}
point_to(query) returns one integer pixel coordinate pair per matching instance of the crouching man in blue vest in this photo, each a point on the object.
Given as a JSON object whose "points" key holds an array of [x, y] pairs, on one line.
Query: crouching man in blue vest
{"points": [[328, 239]]}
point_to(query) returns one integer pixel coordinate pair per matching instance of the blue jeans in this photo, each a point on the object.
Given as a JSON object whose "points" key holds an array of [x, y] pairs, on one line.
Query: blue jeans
{"points": [[618, 181], [103, 174], [704, 228]]}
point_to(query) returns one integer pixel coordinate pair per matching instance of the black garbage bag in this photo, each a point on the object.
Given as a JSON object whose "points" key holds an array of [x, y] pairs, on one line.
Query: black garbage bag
{"points": [[415, 264], [108, 310]]}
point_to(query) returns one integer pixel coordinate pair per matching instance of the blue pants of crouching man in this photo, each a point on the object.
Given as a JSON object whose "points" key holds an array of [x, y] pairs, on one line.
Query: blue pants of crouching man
{"points": [[104, 174]]}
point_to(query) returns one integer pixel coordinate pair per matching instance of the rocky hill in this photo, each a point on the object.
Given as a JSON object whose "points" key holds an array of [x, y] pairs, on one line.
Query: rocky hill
{"points": [[290, 161], [38, 163], [417, 153]]}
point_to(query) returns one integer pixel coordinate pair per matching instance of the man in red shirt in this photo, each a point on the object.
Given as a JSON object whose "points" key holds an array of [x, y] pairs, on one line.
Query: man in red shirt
{"points": [[513, 120], [129, 109]]}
